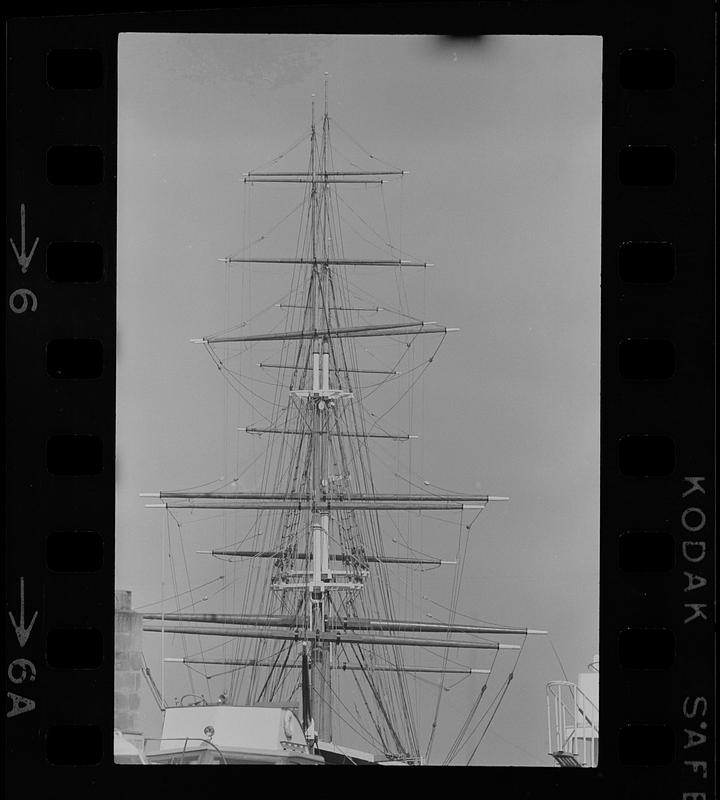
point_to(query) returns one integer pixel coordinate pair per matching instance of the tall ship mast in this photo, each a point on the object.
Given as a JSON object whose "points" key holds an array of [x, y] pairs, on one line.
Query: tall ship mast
{"points": [[315, 620]]}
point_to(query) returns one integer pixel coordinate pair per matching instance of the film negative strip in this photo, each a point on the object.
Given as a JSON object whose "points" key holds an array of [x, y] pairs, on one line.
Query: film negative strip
{"points": [[656, 537]]}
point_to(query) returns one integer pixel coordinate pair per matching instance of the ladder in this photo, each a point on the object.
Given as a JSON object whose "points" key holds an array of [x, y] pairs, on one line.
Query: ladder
{"points": [[572, 726]]}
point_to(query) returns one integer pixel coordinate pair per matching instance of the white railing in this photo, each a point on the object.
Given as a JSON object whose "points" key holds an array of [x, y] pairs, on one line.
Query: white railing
{"points": [[572, 725], [184, 740]]}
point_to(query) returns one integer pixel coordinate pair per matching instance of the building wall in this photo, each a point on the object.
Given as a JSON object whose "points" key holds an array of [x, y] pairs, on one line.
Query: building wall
{"points": [[128, 663]]}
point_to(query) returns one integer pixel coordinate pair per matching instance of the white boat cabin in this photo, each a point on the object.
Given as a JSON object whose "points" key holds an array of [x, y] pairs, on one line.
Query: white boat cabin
{"points": [[224, 734]]}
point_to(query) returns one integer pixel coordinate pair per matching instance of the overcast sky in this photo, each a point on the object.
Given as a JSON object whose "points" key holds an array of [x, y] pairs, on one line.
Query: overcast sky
{"points": [[502, 141]]}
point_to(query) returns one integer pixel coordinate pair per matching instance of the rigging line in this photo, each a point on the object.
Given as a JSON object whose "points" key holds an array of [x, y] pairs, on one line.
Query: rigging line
{"points": [[238, 386], [250, 535], [360, 453], [444, 660], [394, 377], [381, 249], [238, 375], [235, 380], [383, 243], [221, 645], [455, 747], [457, 683], [202, 485], [282, 676], [518, 747], [246, 286], [192, 605], [401, 287], [558, 658], [422, 372], [466, 616], [387, 221], [199, 586], [411, 405], [440, 488], [497, 707], [268, 231], [425, 515], [455, 594], [426, 651], [424, 488], [284, 153], [336, 124], [423, 365], [154, 691], [208, 677], [244, 323], [247, 346], [366, 738], [226, 413], [372, 387], [402, 682], [272, 666], [224, 672], [250, 464], [477, 636], [200, 519], [496, 703], [224, 588], [492, 707], [174, 581], [360, 657], [335, 149], [418, 486], [187, 574], [339, 428], [404, 540], [361, 294], [474, 519]]}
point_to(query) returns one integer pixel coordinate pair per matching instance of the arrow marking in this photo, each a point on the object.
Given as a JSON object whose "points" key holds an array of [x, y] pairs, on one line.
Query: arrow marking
{"points": [[23, 259], [22, 633]]}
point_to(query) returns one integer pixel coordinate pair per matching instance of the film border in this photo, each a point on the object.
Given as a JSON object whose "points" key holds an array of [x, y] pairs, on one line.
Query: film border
{"points": [[657, 722]]}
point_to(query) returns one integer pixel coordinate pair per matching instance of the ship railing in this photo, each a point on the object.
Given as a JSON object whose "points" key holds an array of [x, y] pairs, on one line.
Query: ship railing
{"points": [[184, 740], [573, 733]]}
